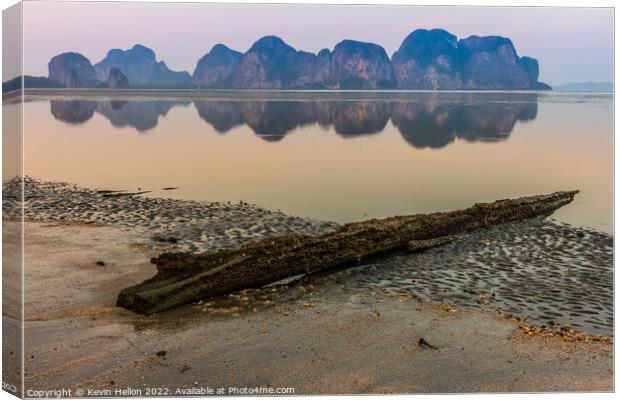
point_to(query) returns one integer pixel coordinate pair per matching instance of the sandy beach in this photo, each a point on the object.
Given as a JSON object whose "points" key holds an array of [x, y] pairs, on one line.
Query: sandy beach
{"points": [[354, 331], [205, 199]]}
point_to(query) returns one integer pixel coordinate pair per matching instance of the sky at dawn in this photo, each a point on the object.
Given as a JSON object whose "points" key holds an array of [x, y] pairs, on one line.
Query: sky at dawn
{"points": [[571, 44]]}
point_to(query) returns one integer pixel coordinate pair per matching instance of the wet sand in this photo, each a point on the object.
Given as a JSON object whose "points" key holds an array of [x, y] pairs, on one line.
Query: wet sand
{"points": [[365, 343], [353, 331], [553, 273], [178, 225]]}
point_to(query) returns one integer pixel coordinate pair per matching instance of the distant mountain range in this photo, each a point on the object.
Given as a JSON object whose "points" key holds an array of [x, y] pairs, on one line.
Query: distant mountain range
{"points": [[426, 60], [586, 86]]}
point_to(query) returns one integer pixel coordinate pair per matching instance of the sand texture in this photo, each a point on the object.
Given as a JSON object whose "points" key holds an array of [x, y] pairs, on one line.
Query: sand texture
{"points": [[349, 342], [357, 330]]}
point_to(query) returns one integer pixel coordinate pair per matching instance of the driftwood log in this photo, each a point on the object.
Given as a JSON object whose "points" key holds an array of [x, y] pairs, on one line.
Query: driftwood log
{"points": [[184, 278]]}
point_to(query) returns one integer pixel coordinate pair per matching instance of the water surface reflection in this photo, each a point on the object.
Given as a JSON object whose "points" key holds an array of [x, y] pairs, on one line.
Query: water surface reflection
{"points": [[423, 124], [336, 156]]}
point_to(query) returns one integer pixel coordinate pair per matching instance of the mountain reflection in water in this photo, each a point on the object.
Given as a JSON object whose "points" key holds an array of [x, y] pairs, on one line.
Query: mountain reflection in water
{"points": [[424, 123], [141, 115]]}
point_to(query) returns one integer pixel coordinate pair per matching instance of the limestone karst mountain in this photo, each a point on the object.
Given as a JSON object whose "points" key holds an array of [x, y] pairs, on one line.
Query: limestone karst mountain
{"points": [[426, 60]]}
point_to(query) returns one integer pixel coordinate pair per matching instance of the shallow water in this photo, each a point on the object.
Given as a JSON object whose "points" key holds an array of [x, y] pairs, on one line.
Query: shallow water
{"points": [[338, 157]]}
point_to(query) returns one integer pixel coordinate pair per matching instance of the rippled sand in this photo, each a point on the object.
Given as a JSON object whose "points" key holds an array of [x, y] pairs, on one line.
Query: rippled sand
{"points": [[318, 338], [188, 225], [349, 331], [552, 273]]}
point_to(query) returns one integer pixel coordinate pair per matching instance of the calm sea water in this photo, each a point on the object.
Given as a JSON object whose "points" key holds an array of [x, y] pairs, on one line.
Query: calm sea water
{"points": [[340, 158]]}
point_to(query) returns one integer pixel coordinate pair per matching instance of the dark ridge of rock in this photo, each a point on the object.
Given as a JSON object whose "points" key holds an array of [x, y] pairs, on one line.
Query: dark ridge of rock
{"points": [[270, 64], [434, 59], [428, 59], [540, 86], [140, 66], [305, 71], [358, 65], [323, 74], [29, 82], [491, 62], [72, 70], [215, 68], [530, 65], [117, 79], [73, 111]]}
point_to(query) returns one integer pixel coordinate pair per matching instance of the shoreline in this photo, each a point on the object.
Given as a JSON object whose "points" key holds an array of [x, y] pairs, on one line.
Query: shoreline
{"points": [[359, 343], [536, 268], [246, 94], [180, 225], [352, 331]]}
